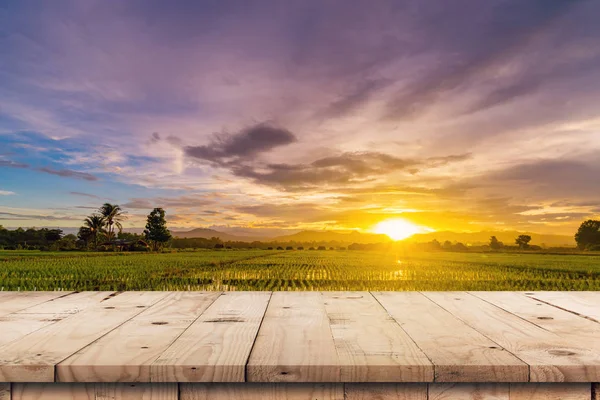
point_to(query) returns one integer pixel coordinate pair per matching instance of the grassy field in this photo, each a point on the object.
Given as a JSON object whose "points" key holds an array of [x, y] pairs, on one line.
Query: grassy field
{"points": [[296, 270]]}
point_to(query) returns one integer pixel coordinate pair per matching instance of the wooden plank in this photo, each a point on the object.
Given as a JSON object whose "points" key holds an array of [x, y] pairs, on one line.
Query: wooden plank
{"points": [[261, 391], [91, 391], [586, 304], [216, 347], [294, 343], [11, 302], [16, 325], [550, 391], [33, 358], [386, 391], [595, 391], [126, 353], [459, 353], [136, 391], [563, 323], [551, 358], [5, 391], [468, 391], [370, 346], [70, 304], [52, 391]]}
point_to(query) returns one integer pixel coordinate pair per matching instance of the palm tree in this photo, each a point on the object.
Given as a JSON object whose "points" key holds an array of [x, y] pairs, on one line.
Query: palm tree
{"points": [[95, 223], [113, 214]]}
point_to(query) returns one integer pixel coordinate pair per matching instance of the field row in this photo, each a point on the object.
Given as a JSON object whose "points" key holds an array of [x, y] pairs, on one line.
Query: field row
{"points": [[293, 270]]}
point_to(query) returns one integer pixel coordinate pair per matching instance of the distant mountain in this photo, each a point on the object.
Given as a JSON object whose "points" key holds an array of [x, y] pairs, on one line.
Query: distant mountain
{"points": [[483, 237], [210, 233], [468, 238], [333, 236]]}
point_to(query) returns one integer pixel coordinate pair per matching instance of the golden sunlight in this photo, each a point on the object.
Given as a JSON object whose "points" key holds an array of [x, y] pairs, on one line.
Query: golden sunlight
{"points": [[398, 229]]}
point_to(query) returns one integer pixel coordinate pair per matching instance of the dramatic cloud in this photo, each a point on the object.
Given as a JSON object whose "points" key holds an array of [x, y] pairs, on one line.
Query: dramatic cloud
{"points": [[179, 202], [249, 142], [67, 173], [91, 196], [341, 169], [29, 217], [458, 115], [12, 164]]}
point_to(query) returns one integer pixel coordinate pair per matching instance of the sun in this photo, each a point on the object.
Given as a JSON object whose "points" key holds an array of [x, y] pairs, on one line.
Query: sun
{"points": [[398, 229]]}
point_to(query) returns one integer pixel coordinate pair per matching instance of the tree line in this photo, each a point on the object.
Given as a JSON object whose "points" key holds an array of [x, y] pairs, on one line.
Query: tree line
{"points": [[99, 229], [103, 230]]}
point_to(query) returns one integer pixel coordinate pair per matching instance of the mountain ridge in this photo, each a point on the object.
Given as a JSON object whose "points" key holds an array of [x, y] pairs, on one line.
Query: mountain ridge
{"points": [[468, 238]]}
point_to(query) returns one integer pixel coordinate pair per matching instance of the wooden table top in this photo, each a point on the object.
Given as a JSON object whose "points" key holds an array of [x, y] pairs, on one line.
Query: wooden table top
{"points": [[299, 337]]}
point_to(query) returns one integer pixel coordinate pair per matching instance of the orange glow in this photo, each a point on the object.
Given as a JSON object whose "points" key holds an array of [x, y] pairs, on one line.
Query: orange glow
{"points": [[399, 229]]}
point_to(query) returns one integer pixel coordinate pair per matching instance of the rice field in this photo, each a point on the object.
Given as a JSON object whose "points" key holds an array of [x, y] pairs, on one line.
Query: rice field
{"points": [[296, 270]]}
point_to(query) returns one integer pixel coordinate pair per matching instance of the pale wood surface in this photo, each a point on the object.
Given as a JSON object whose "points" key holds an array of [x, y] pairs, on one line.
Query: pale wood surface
{"points": [[550, 391], [469, 391], [126, 353], [262, 391], [52, 391], [21, 323], [95, 391], [299, 337], [11, 302], [385, 391], [563, 323], [138, 391], [459, 352], [33, 358], [582, 303], [216, 347], [551, 358], [295, 343], [370, 346]]}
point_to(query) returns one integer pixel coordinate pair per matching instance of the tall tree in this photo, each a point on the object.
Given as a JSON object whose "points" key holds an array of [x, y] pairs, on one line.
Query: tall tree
{"points": [[495, 244], [95, 225], [588, 234], [113, 214], [156, 229], [523, 241]]}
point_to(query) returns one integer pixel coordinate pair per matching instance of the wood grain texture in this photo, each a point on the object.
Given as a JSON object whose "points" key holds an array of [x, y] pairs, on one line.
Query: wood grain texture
{"points": [[586, 304], [459, 353], [469, 391], [370, 346], [126, 353], [52, 391], [294, 343], [136, 391], [262, 391], [33, 358], [18, 324], [11, 302], [95, 391], [385, 391], [5, 391], [69, 304], [216, 347], [563, 323], [551, 358], [550, 391]]}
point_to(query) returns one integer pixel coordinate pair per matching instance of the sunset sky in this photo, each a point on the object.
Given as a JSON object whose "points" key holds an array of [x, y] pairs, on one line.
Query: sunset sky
{"points": [[466, 115]]}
